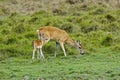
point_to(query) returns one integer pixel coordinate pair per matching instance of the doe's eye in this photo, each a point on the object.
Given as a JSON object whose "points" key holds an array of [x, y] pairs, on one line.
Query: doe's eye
{"points": [[80, 47]]}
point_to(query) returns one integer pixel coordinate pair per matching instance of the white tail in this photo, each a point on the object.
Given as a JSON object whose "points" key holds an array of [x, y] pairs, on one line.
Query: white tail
{"points": [[37, 46], [60, 36], [38, 34]]}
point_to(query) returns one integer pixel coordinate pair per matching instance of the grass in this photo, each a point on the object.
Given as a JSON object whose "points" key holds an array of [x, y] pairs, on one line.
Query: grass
{"points": [[73, 67], [96, 25]]}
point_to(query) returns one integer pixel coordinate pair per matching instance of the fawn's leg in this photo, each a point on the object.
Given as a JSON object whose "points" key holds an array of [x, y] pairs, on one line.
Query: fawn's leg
{"points": [[41, 53], [33, 55]]}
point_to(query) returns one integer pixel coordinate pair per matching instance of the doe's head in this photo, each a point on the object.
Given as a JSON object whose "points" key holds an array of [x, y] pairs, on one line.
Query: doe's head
{"points": [[78, 45]]}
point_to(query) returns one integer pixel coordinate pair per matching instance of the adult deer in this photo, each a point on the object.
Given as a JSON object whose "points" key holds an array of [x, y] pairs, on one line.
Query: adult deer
{"points": [[37, 46], [47, 33]]}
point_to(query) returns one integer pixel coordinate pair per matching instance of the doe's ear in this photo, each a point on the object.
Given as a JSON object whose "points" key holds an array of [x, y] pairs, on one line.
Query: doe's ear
{"points": [[77, 41]]}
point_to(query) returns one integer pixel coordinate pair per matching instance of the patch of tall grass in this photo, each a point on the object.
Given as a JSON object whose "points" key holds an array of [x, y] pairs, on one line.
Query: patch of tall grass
{"points": [[95, 28]]}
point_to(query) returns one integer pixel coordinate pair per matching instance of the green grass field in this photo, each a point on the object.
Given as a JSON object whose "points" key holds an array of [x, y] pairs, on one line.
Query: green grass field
{"points": [[96, 66], [96, 23]]}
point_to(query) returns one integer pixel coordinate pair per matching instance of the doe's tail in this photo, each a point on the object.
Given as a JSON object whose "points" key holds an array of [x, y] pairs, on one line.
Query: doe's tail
{"points": [[38, 33]]}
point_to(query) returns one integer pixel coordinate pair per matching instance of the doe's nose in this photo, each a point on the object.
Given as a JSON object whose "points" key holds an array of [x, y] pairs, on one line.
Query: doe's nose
{"points": [[82, 53]]}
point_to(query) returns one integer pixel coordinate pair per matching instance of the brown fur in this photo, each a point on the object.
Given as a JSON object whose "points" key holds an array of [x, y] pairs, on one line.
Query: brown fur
{"points": [[56, 34], [47, 33], [37, 46], [36, 43]]}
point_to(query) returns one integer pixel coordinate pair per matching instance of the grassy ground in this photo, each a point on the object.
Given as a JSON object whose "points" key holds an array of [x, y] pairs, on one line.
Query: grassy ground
{"points": [[96, 66], [96, 23]]}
